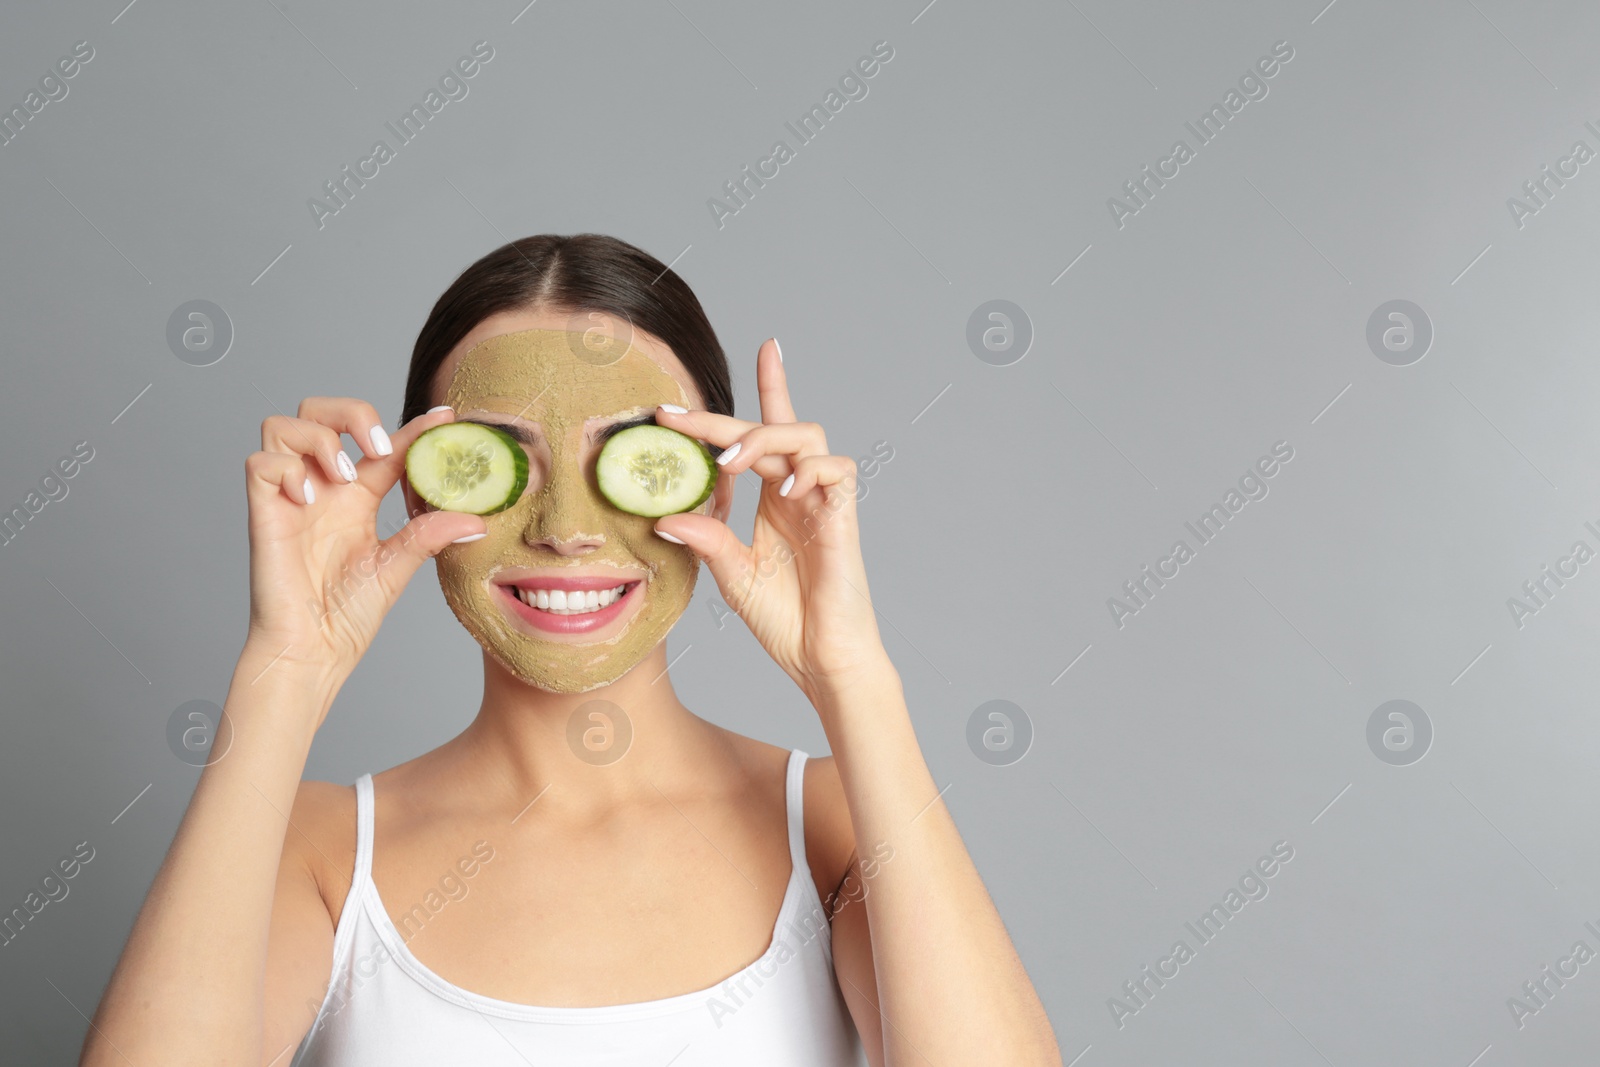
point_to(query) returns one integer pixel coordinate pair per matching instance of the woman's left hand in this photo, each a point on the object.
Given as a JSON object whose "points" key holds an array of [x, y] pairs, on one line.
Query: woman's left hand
{"points": [[800, 585]]}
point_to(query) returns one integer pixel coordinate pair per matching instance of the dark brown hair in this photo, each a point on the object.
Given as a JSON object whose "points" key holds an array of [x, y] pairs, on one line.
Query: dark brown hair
{"points": [[576, 273]]}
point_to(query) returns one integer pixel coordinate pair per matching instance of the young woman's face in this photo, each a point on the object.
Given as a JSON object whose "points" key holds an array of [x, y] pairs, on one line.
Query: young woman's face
{"points": [[557, 390]]}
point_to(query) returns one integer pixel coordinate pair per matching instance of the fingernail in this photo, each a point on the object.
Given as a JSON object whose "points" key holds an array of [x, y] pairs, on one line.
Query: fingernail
{"points": [[675, 409], [729, 453], [311, 494], [346, 468], [668, 537], [469, 537], [441, 407], [380, 441], [788, 483], [779, 347]]}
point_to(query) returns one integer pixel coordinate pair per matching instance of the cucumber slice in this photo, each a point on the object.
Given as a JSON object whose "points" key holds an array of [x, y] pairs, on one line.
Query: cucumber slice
{"points": [[654, 471], [466, 466]]}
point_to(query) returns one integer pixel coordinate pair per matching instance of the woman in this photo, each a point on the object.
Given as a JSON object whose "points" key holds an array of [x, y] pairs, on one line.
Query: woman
{"points": [[589, 873]]}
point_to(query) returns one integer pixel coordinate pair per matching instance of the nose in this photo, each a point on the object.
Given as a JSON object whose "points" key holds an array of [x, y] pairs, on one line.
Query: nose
{"points": [[567, 517]]}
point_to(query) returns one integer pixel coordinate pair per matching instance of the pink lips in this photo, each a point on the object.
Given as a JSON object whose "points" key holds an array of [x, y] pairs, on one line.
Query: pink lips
{"points": [[570, 624]]}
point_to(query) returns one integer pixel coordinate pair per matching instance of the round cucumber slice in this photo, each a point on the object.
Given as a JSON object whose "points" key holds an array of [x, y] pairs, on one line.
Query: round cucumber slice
{"points": [[654, 471], [466, 466]]}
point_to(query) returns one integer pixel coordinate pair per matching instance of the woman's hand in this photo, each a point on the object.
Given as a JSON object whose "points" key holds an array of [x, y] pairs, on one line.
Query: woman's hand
{"points": [[320, 579], [800, 585]]}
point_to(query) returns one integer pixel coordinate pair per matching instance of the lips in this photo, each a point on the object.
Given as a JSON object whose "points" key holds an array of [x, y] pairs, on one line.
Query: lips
{"points": [[561, 604]]}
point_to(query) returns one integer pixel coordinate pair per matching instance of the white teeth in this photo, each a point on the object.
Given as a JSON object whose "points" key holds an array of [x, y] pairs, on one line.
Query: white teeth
{"points": [[561, 602]]}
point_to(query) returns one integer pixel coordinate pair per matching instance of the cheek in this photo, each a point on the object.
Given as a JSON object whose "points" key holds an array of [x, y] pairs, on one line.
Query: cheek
{"points": [[473, 561], [458, 571], [673, 568]]}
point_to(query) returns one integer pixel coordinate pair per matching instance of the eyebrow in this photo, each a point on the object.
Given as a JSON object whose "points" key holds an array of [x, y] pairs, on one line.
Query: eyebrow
{"points": [[530, 437]]}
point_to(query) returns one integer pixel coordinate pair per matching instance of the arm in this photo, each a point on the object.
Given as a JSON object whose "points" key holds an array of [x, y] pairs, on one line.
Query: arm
{"points": [[320, 838], [801, 586], [960, 997], [234, 935], [187, 988]]}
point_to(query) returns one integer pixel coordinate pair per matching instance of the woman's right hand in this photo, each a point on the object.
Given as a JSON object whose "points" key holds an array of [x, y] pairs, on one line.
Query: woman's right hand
{"points": [[321, 581]]}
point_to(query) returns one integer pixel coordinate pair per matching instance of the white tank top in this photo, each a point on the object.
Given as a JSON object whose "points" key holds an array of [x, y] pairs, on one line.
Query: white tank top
{"points": [[384, 1007]]}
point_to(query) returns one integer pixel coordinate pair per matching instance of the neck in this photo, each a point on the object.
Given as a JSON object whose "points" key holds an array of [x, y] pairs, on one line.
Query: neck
{"points": [[600, 749]]}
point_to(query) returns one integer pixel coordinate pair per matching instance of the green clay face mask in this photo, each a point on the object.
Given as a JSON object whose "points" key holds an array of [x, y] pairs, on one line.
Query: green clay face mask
{"points": [[555, 382]]}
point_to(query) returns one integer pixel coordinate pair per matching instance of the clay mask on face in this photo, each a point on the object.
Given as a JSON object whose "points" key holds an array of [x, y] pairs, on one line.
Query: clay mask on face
{"points": [[557, 380]]}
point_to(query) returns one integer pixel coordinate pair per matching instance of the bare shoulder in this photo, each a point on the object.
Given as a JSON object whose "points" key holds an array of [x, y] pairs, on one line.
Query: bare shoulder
{"points": [[830, 838], [322, 835]]}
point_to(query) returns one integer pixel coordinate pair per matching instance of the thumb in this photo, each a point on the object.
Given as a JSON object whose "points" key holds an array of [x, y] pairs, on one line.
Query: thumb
{"points": [[424, 537], [729, 560]]}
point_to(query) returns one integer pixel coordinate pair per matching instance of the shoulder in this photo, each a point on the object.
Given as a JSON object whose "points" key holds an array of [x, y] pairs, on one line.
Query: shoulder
{"points": [[830, 837]]}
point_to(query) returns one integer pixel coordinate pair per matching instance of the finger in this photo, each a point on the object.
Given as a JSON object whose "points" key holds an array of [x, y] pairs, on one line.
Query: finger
{"points": [[730, 560], [819, 472], [380, 474], [425, 536], [269, 473], [732, 483], [719, 431], [771, 450], [772, 384], [282, 434], [355, 417]]}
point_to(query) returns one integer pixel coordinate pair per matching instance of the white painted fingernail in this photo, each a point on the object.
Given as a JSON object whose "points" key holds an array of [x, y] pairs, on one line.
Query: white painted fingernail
{"points": [[380, 441], [441, 407], [346, 468], [779, 347], [788, 483], [675, 409], [311, 494], [729, 453], [469, 537], [668, 537]]}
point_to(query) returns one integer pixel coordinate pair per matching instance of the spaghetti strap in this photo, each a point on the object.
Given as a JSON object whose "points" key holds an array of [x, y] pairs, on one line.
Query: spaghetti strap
{"points": [[364, 823], [795, 802]]}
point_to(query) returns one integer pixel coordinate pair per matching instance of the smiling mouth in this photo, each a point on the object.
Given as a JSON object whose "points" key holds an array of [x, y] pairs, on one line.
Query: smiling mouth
{"points": [[571, 602], [571, 605]]}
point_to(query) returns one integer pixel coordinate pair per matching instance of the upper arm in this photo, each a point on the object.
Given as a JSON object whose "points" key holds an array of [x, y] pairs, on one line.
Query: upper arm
{"points": [[831, 854], [300, 938], [852, 966]]}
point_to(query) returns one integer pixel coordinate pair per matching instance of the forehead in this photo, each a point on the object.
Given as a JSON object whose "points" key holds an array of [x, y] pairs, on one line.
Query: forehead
{"points": [[578, 359]]}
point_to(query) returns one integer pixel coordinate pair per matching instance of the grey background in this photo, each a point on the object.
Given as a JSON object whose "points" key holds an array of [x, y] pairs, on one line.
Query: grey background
{"points": [[1230, 313]]}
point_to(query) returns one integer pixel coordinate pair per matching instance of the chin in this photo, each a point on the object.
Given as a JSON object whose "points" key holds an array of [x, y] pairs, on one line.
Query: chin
{"points": [[563, 683]]}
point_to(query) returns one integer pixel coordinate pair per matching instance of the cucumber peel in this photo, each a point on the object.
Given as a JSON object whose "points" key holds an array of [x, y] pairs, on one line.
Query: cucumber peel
{"points": [[467, 466], [654, 470]]}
